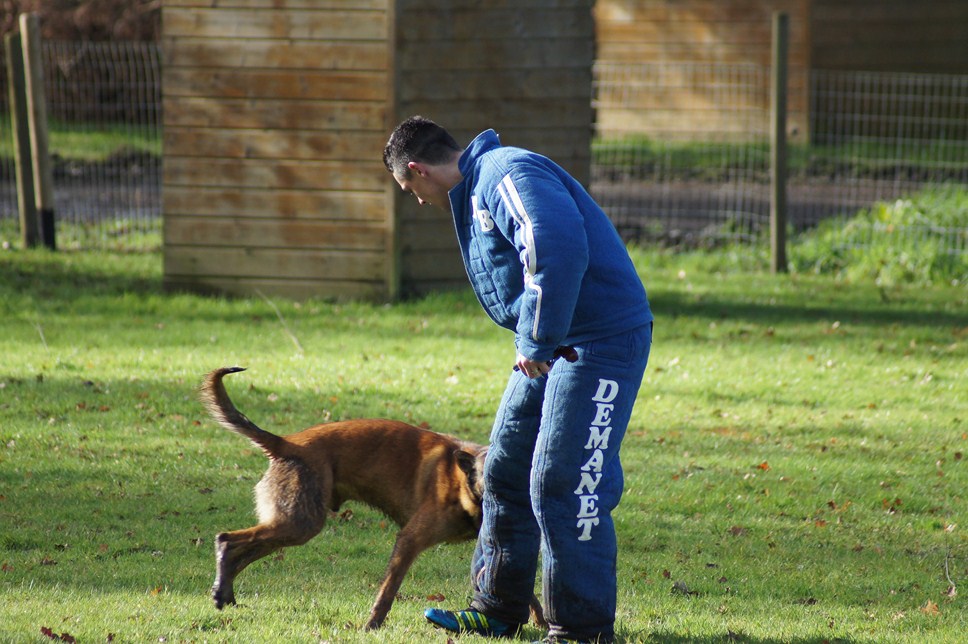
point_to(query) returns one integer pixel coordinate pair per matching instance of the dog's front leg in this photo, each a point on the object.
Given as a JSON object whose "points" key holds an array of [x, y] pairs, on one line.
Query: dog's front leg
{"points": [[411, 541]]}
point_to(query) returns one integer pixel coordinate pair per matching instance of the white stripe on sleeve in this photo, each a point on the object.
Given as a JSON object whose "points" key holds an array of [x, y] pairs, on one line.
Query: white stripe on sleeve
{"points": [[512, 200]]}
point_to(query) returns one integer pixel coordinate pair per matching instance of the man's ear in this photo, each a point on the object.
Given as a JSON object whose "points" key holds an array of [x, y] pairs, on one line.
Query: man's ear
{"points": [[418, 168]]}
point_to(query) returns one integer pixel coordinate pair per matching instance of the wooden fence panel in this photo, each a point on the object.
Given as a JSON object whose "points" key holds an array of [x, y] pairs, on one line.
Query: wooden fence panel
{"points": [[275, 118]]}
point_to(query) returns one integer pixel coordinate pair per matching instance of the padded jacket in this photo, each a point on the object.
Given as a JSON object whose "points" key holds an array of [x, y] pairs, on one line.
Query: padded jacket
{"points": [[541, 255]]}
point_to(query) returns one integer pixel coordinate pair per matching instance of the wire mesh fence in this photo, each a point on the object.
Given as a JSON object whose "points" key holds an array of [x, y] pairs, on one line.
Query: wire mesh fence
{"points": [[681, 153], [882, 138], [669, 162], [104, 113]]}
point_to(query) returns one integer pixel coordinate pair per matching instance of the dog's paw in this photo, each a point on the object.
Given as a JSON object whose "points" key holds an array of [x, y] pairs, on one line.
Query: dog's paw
{"points": [[221, 599]]}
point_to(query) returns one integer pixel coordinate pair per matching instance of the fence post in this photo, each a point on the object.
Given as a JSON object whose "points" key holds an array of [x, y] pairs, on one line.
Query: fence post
{"points": [[778, 142], [37, 118], [27, 206]]}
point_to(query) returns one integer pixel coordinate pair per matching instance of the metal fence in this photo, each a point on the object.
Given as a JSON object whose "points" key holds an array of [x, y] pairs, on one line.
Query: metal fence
{"points": [[104, 111], [670, 168], [667, 166], [678, 170]]}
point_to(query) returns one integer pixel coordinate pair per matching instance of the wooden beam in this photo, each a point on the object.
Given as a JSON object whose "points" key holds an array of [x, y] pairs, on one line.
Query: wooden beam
{"points": [[37, 119], [29, 228]]}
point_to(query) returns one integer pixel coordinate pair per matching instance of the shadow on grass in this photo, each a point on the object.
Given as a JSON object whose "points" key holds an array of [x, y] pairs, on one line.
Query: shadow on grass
{"points": [[740, 638], [66, 274], [856, 309]]}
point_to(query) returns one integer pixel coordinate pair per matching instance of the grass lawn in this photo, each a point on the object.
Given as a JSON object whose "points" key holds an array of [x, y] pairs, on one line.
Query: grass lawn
{"points": [[794, 467]]}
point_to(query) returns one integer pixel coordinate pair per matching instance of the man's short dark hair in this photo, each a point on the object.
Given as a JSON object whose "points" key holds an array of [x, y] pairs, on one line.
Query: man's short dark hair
{"points": [[418, 139]]}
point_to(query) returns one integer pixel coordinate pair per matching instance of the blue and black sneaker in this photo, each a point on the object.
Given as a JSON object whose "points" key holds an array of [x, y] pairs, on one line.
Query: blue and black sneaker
{"points": [[470, 621]]}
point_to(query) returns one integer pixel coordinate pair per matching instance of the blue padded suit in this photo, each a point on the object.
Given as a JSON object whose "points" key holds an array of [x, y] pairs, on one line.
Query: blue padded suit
{"points": [[546, 263]]}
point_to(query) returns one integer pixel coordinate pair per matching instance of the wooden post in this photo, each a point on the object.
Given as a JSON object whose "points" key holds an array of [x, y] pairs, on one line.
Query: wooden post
{"points": [[37, 118], [27, 206], [778, 142]]}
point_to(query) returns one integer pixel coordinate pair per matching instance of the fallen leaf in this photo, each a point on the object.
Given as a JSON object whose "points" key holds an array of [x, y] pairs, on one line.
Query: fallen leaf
{"points": [[763, 466], [50, 634], [930, 608], [438, 597], [737, 531]]}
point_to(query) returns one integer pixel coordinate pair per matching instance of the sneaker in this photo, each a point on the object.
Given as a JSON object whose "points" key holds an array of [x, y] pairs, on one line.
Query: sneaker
{"points": [[469, 621]]}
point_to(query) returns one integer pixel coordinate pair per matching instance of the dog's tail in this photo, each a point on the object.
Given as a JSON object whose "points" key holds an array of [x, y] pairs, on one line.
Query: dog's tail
{"points": [[216, 400]]}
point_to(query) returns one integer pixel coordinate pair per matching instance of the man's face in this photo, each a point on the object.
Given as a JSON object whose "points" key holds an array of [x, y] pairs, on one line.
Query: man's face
{"points": [[425, 184]]}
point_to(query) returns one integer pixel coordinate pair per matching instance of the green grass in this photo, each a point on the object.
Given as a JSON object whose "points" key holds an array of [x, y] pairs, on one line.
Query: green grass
{"points": [[794, 465], [90, 141], [640, 156]]}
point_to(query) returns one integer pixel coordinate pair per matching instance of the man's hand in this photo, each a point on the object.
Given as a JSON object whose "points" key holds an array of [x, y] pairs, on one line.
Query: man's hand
{"points": [[534, 369]]}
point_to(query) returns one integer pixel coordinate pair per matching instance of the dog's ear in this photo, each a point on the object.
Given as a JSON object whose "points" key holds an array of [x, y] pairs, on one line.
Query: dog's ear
{"points": [[473, 467], [465, 461]]}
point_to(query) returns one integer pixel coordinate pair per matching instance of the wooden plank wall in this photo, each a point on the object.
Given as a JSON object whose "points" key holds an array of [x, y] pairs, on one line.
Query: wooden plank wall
{"points": [[275, 115], [522, 67], [930, 36], [701, 34]]}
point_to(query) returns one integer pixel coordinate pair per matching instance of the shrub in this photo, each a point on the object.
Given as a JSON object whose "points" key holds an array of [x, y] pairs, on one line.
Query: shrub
{"points": [[919, 240]]}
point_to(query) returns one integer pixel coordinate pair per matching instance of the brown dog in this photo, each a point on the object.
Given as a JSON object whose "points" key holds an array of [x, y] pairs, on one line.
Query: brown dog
{"points": [[428, 483]]}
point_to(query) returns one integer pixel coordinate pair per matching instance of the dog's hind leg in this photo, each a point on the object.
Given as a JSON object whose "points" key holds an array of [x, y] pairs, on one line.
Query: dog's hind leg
{"points": [[291, 512], [236, 550]]}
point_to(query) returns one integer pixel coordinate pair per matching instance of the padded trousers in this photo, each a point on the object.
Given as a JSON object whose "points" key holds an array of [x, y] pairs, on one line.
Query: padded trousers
{"points": [[552, 479]]}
